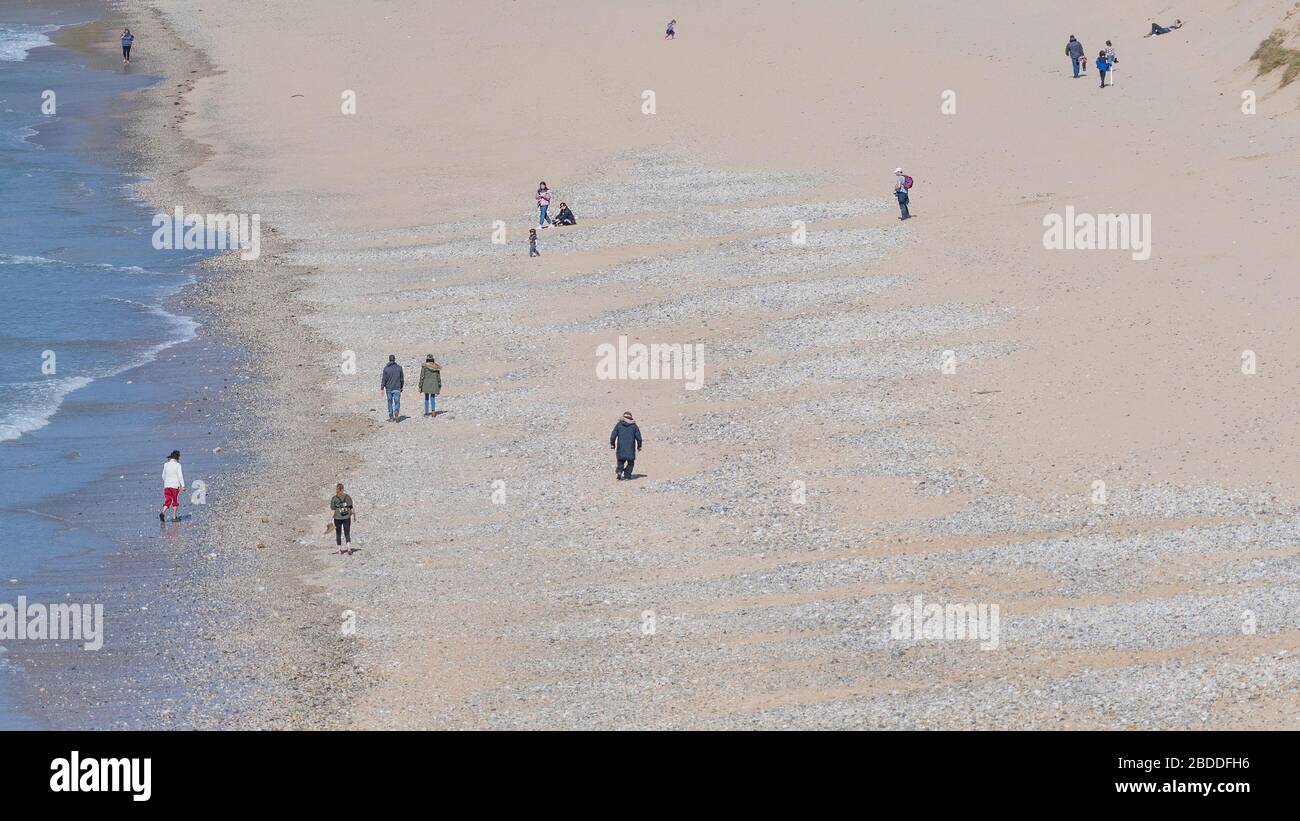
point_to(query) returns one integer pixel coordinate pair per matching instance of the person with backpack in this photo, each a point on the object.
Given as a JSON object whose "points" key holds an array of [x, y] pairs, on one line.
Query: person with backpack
{"points": [[625, 440], [391, 383], [430, 384], [902, 184], [1074, 50]]}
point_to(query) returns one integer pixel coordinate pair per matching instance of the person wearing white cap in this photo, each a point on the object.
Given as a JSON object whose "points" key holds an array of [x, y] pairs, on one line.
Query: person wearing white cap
{"points": [[902, 183]]}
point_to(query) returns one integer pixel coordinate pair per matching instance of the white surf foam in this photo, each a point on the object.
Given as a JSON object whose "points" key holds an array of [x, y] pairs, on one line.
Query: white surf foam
{"points": [[16, 39], [37, 401]]}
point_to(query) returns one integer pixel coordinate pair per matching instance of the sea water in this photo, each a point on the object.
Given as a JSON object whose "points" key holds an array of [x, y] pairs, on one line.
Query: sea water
{"points": [[95, 359]]}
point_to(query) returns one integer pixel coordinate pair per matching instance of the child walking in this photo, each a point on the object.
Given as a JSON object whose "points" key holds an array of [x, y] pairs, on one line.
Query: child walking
{"points": [[532, 243], [671, 32], [1103, 67]]}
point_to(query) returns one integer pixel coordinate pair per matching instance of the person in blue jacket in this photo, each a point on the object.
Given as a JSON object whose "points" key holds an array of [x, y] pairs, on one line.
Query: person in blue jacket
{"points": [[1103, 66], [625, 439]]}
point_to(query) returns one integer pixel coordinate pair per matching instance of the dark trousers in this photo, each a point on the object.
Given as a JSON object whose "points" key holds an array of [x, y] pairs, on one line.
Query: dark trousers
{"points": [[342, 530], [126, 52], [902, 203], [1156, 28], [624, 468]]}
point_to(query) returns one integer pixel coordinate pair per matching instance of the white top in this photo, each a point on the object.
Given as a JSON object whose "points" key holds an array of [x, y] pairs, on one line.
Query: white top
{"points": [[172, 475]]}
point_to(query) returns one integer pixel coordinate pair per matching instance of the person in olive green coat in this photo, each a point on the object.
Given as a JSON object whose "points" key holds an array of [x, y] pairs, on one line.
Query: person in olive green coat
{"points": [[430, 384]]}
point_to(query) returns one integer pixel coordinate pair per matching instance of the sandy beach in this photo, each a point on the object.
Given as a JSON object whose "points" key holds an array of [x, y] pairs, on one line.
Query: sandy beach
{"points": [[941, 408]]}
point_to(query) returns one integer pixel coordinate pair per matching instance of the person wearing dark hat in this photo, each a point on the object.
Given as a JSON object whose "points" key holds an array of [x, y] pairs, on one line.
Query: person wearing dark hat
{"points": [[391, 383], [625, 439], [430, 384], [173, 484]]}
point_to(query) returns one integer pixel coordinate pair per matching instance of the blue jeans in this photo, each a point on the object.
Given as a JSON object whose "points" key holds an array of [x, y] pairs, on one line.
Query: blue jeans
{"points": [[1076, 61], [394, 402], [542, 219], [903, 200], [430, 402]]}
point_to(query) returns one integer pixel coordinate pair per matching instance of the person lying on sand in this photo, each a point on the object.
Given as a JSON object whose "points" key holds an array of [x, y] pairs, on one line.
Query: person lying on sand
{"points": [[1157, 29], [565, 216]]}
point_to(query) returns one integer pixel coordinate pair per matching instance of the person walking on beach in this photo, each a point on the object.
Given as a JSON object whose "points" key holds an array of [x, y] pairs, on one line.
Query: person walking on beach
{"points": [[532, 243], [1103, 67], [344, 515], [430, 385], [625, 440], [173, 484], [1109, 51], [671, 33], [391, 383], [127, 39], [543, 203], [902, 184], [1074, 50]]}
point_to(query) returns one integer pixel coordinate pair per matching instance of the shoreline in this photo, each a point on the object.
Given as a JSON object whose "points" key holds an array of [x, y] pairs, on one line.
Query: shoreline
{"points": [[213, 679], [244, 301], [145, 579], [529, 614]]}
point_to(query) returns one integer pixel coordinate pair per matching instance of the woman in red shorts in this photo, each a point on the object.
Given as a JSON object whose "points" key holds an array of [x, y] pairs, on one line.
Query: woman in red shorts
{"points": [[173, 484]]}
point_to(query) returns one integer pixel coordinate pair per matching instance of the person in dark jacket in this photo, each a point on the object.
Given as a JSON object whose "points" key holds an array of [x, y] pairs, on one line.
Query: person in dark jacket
{"points": [[1074, 50], [391, 384], [565, 216], [626, 441], [127, 40], [1157, 29]]}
